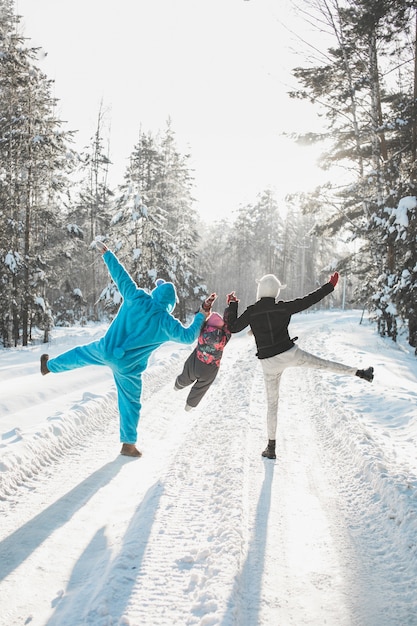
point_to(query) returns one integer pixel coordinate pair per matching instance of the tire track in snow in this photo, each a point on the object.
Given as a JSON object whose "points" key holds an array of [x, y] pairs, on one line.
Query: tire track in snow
{"points": [[377, 509], [375, 490], [293, 573], [196, 537], [63, 508], [202, 511]]}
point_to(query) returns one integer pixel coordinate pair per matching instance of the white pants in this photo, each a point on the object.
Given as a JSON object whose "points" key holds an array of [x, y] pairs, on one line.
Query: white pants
{"points": [[275, 365]]}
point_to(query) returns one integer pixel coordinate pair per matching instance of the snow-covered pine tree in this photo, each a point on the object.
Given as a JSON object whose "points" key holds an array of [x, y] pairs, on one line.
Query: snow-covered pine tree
{"points": [[34, 158], [138, 223], [154, 224], [174, 190], [243, 264], [397, 295], [254, 245], [88, 217], [368, 103]]}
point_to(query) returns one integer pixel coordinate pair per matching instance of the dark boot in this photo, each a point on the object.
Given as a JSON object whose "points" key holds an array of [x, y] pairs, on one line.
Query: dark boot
{"points": [[44, 366], [367, 374], [269, 451], [129, 449]]}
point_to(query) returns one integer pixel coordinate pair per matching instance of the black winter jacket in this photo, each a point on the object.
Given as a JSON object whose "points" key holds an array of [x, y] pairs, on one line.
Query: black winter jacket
{"points": [[269, 320]]}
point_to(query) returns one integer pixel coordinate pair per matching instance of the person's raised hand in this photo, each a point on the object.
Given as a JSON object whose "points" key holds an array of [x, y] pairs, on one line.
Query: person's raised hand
{"points": [[100, 246], [231, 297], [334, 278], [208, 302]]}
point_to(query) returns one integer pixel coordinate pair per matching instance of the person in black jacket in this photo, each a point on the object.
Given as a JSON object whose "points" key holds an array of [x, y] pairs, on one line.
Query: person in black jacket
{"points": [[269, 320]]}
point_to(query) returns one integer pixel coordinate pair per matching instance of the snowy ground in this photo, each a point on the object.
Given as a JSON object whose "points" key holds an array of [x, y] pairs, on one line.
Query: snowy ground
{"points": [[202, 530]]}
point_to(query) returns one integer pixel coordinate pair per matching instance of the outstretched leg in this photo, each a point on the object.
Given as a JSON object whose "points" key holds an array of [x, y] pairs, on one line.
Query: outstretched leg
{"points": [[80, 356], [295, 357], [301, 358]]}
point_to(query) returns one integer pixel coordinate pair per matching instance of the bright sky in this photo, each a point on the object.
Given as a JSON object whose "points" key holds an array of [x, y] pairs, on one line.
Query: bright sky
{"points": [[220, 70]]}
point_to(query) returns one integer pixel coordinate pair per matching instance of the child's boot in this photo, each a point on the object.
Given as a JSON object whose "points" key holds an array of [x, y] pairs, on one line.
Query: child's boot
{"points": [[269, 451], [367, 374]]}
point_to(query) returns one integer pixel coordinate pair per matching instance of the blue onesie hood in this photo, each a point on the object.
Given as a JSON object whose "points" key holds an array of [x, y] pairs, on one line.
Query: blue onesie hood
{"points": [[165, 294]]}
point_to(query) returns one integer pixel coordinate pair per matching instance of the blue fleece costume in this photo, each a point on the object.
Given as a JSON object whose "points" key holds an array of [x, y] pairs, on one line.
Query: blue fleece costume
{"points": [[143, 323]]}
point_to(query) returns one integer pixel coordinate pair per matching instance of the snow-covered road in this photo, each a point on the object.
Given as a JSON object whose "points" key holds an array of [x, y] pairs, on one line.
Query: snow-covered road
{"points": [[202, 530]]}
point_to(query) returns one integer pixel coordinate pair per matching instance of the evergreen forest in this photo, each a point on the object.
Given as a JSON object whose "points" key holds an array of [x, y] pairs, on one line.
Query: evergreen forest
{"points": [[55, 200]]}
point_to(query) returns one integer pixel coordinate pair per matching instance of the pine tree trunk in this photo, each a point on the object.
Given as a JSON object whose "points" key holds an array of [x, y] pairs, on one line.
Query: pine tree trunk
{"points": [[412, 329], [414, 127], [26, 286]]}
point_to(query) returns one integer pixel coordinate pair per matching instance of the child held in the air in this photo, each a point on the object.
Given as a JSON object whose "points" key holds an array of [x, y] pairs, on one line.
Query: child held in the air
{"points": [[202, 366]]}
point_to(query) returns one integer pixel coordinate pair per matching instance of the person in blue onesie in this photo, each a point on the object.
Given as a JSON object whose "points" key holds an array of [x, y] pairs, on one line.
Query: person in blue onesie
{"points": [[143, 323]]}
